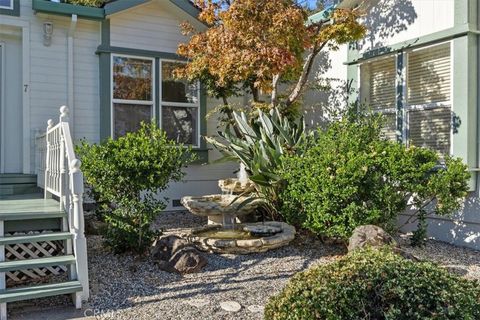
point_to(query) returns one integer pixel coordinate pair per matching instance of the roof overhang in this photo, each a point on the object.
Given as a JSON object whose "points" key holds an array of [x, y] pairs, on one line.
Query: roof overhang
{"points": [[110, 8]]}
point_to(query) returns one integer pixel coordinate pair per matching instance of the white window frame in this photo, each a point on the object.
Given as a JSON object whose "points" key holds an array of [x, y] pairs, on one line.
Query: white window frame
{"points": [[124, 101], [179, 104], [426, 106], [9, 7]]}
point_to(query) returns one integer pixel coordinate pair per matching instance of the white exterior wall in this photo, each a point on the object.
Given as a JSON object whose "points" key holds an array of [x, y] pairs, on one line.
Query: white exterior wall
{"points": [[48, 74], [393, 21]]}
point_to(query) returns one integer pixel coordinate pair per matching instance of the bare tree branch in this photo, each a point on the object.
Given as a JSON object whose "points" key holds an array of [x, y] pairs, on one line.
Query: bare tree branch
{"points": [[275, 80], [307, 68]]}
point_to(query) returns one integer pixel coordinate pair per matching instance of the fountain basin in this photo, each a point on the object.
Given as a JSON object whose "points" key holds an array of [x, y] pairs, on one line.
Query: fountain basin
{"points": [[216, 206], [237, 186], [210, 238]]}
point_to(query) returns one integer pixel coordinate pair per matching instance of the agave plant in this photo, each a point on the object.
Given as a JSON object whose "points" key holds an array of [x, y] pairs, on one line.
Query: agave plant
{"points": [[262, 143]]}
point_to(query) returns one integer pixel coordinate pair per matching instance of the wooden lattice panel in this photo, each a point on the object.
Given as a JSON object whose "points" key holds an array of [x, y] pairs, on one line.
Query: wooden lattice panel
{"points": [[22, 251]]}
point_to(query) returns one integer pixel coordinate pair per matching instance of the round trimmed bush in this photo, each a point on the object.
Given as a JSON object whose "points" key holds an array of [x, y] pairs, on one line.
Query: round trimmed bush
{"points": [[376, 284]]}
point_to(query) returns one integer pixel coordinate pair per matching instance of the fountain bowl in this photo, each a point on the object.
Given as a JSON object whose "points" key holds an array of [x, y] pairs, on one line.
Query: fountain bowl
{"points": [[213, 238], [216, 206], [236, 186]]}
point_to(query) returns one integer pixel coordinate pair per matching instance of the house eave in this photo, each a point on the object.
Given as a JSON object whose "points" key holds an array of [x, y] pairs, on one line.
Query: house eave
{"points": [[91, 13], [66, 9]]}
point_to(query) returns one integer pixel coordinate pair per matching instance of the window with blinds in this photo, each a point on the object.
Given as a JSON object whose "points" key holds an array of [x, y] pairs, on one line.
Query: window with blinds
{"points": [[428, 75], [382, 84], [428, 98], [378, 78]]}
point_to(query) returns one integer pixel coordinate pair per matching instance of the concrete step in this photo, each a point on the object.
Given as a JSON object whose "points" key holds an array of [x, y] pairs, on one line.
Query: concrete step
{"points": [[40, 291]]}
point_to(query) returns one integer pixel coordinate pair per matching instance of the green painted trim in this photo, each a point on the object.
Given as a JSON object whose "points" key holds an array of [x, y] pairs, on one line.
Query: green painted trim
{"points": [[68, 9], [399, 95], [39, 291], [464, 102], [202, 156], [105, 79], [465, 12], [12, 12], [105, 33], [188, 7], [121, 5], [436, 37], [158, 90], [139, 52]]}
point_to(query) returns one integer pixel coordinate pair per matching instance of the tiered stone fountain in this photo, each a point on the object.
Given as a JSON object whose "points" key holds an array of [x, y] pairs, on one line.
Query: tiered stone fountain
{"points": [[227, 230]]}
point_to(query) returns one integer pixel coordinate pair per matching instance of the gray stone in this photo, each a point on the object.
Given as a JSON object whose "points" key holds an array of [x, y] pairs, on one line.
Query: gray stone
{"points": [[369, 235], [187, 260], [262, 229], [177, 255], [230, 306], [256, 309], [165, 247], [198, 303]]}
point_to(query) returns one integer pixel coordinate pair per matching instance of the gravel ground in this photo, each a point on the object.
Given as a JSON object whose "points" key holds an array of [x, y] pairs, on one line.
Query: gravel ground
{"points": [[125, 287]]}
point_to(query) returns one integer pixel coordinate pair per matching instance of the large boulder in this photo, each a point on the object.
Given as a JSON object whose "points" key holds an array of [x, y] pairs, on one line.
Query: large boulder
{"points": [[369, 235], [175, 254]]}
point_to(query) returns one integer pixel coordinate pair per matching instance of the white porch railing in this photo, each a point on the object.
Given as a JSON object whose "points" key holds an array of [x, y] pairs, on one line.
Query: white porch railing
{"points": [[59, 174]]}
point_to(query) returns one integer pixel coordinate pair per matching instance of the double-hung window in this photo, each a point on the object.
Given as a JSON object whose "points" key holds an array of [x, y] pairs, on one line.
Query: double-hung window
{"points": [[180, 106], [379, 91], [134, 98], [6, 4], [133, 93], [424, 89], [428, 108], [10, 7]]}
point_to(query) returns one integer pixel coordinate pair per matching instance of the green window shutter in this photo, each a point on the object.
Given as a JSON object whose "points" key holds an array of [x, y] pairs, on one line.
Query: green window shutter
{"points": [[429, 98]]}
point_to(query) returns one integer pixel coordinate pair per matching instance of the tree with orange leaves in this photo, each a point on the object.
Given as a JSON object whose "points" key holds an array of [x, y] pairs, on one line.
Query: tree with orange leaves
{"points": [[255, 45]]}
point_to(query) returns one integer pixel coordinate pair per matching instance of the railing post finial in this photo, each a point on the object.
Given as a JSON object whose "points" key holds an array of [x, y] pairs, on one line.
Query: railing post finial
{"points": [[64, 113], [75, 165], [49, 124]]}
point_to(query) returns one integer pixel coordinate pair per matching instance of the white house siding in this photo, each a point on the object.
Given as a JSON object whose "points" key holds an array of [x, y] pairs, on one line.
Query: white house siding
{"points": [[393, 21], [86, 81], [48, 74], [155, 26]]}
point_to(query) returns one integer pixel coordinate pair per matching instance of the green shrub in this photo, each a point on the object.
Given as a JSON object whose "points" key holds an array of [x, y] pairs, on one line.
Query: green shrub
{"points": [[126, 174], [376, 284], [348, 175]]}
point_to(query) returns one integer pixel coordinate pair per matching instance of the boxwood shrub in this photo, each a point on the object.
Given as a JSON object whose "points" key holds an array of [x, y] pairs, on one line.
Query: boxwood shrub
{"points": [[376, 284]]}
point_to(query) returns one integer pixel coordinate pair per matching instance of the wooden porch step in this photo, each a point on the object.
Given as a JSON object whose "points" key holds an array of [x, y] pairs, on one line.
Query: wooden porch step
{"points": [[32, 215], [13, 178], [28, 238], [41, 291], [36, 263]]}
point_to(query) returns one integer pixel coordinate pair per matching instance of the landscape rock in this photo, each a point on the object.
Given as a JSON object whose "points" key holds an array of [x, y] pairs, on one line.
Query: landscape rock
{"points": [[230, 306], [256, 309], [177, 255], [369, 235]]}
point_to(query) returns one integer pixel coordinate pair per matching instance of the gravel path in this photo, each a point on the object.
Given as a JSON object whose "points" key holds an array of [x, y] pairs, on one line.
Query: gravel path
{"points": [[125, 287]]}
